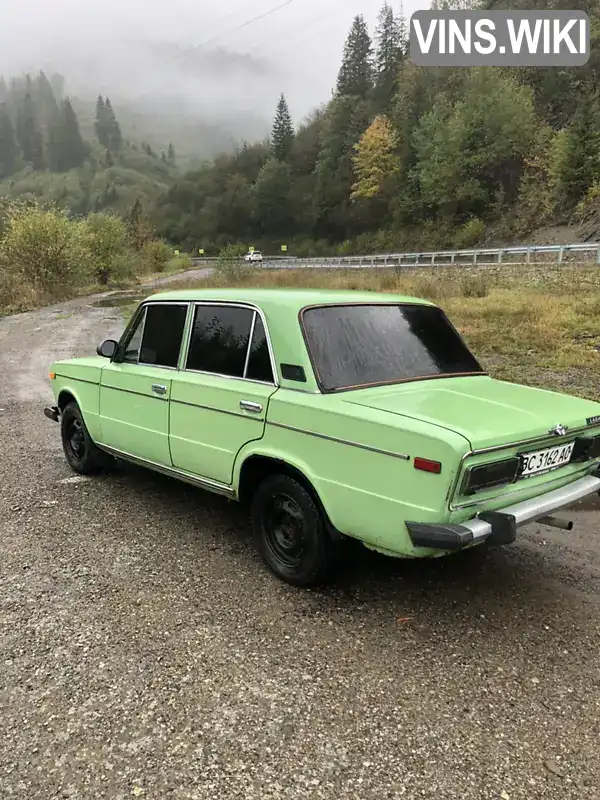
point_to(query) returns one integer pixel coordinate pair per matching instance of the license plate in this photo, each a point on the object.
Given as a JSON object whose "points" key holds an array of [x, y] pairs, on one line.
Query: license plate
{"points": [[545, 460]]}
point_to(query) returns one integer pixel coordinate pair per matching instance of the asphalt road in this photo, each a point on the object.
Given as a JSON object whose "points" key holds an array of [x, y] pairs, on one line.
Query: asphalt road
{"points": [[145, 651]]}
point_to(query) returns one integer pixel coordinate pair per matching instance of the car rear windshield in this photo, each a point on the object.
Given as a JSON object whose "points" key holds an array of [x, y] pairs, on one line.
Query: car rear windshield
{"points": [[362, 345]]}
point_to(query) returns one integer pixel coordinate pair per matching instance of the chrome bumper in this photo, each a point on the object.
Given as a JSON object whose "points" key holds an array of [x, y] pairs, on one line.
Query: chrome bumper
{"points": [[500, 527]]}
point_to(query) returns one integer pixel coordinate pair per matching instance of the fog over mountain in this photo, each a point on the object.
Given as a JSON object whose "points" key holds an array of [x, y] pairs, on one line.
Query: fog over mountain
{"points": [[192, 58]]}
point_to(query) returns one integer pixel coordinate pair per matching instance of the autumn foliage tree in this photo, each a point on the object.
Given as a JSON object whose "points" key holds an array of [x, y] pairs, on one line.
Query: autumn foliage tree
{"points": [[376, 161]]}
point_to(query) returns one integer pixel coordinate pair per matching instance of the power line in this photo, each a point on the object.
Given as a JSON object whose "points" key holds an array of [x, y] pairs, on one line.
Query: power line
{"points": [[235, 28], [321, 18]]}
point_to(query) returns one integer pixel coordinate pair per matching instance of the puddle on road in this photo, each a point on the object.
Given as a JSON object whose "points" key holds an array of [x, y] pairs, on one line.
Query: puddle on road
{"points": [[115, 301]]}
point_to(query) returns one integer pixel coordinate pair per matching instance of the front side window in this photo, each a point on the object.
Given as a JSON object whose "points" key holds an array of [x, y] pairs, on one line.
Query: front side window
{"points": [[132, 348], [159, 338], [364, 345], [163, 333]]}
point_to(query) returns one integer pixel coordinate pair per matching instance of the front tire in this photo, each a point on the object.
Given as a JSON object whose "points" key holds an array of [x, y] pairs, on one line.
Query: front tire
{"points": [[291, 533], [80, 451]]}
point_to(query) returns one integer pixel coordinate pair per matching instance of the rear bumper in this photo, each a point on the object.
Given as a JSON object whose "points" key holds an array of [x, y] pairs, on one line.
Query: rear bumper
{"points": [[500, 527]]}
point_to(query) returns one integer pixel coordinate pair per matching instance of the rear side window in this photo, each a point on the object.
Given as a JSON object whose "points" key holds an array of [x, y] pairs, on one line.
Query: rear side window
{"points": [[259, 362], [220, 338], [220, 344], [163, 332]]}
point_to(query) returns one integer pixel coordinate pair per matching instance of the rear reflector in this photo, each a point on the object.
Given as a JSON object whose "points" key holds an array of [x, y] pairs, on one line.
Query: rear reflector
{"points": [[52, 375], [426, 465]]}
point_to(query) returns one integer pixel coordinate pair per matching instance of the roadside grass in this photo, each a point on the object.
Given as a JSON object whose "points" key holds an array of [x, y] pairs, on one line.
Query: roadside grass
{"points": [[538, 325], [17, 297]]}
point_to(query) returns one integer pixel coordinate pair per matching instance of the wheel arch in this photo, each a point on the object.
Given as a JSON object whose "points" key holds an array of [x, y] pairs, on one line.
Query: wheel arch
{"points": [[253, 468], [65, 396]]}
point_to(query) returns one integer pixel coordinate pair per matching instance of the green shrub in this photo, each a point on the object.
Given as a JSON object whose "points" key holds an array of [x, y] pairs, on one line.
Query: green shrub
{"points": [[470, 233], [231, 264], [44, 251], [179, 263], [105, 238], [155, 256]]}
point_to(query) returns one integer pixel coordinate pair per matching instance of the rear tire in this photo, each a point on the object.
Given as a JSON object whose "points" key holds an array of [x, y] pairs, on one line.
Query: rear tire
{"points": [[80, 451], [291, 533]]}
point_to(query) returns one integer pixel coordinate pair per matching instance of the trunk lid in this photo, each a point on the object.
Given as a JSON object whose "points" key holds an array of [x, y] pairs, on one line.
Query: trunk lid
{"points": [[486, 412]]}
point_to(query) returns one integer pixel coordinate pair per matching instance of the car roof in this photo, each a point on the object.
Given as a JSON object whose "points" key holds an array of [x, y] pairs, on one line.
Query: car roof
{"points": [[292, 299]]}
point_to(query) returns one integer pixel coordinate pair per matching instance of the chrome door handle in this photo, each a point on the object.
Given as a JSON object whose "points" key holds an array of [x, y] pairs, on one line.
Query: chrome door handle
{"points": [[247, 405], [158, 388]]}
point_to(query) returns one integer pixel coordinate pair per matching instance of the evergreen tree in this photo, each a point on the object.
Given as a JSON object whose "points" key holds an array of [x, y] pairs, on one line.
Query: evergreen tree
{"points": [[29, 134], [139, 228], [57, 82], [3, 90], [113, 130], [272, 196], [9, 151], [171, 157], [15, 99], [282, 137], [388, 58], [66, 148], [100, 125], [580, 161], [76, 149], [346, 122], [45, 101], [55, 143], [355, 78]]}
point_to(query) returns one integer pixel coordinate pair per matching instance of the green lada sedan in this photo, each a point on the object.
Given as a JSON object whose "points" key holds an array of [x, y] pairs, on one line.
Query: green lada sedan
{"points": [[333, 416]]}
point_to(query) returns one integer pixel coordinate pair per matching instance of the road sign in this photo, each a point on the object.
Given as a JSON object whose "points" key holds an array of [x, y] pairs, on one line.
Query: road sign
{"points": [[201, 251], [250, 249], [176, 252], [284, 248]]}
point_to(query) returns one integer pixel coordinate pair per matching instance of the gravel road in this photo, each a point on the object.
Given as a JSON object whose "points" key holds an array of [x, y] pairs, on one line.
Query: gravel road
{"points": [[145, 652]]}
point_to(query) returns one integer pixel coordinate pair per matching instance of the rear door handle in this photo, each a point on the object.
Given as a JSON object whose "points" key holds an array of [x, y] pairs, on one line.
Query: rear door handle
{"points": [[158, 388], [247, 405]]}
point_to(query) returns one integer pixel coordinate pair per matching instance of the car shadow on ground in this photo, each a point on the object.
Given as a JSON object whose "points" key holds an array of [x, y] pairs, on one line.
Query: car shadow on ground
{"points": [[522, 584]]}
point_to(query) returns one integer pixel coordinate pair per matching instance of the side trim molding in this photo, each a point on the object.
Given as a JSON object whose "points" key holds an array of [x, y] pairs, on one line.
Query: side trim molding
{"points": [[216, 410], [79, 380], [401, 456], [149, 395], [172, 472]]}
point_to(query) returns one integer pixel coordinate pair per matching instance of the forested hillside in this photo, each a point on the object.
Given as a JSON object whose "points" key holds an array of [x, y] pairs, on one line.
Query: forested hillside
{"points": [[44, 154], [406, 156]]}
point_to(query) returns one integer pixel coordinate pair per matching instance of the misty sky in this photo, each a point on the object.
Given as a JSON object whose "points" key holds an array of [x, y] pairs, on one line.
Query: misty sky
{"points": [[119, 46]]}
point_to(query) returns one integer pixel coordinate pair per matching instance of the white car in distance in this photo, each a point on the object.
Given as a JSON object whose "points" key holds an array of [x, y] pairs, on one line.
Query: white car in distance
{"points": [[253, 257]]}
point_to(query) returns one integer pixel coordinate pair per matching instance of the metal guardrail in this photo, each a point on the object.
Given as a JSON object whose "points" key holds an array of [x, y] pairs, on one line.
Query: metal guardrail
{"points": [[493, 256]]}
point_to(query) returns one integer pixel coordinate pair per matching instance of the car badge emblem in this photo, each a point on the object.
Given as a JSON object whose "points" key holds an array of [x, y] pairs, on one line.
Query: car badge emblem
{"points": [[559, 430]]}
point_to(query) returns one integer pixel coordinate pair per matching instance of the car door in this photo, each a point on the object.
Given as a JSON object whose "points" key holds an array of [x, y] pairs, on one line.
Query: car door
{"points": [[219, 399], [135, 388]]}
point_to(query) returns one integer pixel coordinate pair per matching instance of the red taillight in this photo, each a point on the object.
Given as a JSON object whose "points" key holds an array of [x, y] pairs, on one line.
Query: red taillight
{"points": [[426, 465]]}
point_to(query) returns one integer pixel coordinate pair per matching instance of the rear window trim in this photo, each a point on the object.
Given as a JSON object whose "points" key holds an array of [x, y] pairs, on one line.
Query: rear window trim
{"points": [[399, 381]]}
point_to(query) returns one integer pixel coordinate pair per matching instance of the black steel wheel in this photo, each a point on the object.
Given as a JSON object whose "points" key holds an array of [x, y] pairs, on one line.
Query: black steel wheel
{"points": [[80, 451], [291, 532]]}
